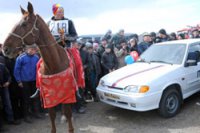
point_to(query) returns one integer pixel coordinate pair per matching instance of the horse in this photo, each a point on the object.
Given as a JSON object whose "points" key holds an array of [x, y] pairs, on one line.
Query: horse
{"points": [[32, 29]]}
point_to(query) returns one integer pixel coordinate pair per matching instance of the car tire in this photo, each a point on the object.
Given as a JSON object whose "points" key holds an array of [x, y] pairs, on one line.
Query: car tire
{"points": [[170, 103]]}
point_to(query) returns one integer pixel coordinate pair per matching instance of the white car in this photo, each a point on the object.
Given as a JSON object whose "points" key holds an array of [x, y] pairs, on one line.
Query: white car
{"points": [[162, 78]]}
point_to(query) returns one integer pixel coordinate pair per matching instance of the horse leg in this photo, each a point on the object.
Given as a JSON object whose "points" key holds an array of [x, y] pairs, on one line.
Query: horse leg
{"points": [[52, 114], [68, 114]]}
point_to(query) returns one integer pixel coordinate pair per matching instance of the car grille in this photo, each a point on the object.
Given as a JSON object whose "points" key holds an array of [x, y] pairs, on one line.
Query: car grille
{"points": [[116, 101]]}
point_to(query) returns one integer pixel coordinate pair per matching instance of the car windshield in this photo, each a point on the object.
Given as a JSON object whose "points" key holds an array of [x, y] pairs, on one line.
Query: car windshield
{"points": [[164, 53]]}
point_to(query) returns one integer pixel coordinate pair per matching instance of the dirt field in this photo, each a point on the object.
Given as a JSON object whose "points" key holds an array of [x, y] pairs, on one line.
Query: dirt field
{"points": [[102, 118]]}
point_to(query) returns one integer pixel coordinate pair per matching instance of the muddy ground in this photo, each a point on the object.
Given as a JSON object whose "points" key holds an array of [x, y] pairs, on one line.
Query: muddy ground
{"points": [[102, 118]]}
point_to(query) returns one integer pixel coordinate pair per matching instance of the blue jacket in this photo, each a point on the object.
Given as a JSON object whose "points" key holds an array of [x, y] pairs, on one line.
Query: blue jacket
{"points": [[143, 46], [25, 68]]}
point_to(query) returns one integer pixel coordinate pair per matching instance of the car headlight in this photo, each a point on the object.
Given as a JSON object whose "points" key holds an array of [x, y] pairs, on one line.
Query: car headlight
{"points": [[137, 89], [131, 88]]}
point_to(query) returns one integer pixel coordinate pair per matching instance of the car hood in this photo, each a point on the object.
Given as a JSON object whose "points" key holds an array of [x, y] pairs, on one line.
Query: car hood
{"points": [[137, 74]]}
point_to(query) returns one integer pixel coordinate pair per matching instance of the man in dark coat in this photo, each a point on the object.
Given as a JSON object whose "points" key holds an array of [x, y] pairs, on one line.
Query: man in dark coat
{"points": [[116, 39], [195, 33], [109, 60], [59, 22], [145, 44], [163, 35], [94, 70], [5, 80], [108, 35], [15, 93], [101, 48]]}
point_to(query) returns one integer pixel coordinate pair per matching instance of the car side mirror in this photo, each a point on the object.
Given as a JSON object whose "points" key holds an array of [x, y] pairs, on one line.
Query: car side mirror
{"points": [[190, 63]]}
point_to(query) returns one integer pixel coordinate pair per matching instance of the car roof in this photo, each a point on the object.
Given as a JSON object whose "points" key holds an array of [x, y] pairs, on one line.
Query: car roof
{"points": [[185, 41]]}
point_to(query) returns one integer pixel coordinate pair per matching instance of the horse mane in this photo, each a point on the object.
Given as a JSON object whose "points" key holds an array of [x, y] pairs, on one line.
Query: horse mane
{"points": [[45, 26], [54, 56]]}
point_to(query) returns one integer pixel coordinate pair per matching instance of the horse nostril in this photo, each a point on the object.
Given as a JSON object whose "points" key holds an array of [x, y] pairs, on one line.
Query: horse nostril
{"points": [[6, 50]]}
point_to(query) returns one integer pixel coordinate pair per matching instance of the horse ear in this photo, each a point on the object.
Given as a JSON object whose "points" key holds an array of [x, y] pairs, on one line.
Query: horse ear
{"points": [[22, 10], [30, 8]]}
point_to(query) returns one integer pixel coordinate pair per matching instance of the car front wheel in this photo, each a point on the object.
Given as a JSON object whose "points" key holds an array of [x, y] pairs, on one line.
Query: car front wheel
{"points": [[170, 103]]}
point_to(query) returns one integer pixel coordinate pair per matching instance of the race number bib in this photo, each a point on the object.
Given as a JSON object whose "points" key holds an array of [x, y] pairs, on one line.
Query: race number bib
{"points": [[54, 26]]}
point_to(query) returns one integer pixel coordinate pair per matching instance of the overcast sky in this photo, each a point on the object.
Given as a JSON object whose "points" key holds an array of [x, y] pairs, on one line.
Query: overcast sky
{"points": [[97, 16]]}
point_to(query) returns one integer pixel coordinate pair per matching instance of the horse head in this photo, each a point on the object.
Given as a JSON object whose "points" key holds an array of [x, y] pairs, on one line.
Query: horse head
{"points": [[24, 33]]}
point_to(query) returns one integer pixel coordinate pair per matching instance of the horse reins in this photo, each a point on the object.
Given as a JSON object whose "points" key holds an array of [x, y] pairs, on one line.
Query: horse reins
{"points": [[30, 32]]}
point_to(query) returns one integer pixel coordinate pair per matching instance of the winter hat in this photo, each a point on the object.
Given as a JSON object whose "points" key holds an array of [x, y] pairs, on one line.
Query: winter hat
{"points": [[182, 35], [109, 46], [153, 34], [31, 46], [173, 34], [122, 41], [162, 31], [133, 39], [146, 34], [88, 45], [103, 39], [55, 8]]}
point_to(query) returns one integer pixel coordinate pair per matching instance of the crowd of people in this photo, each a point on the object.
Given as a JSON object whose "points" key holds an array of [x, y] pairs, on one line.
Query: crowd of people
{"points": [[18, 76]]}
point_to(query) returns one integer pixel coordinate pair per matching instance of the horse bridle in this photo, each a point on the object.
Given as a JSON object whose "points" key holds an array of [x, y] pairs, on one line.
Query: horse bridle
{"points": [[27, 34]]}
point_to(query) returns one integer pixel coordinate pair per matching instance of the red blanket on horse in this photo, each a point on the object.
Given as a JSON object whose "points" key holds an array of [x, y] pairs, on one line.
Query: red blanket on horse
{"points": [[61, 87], [57, 88], [74, 54]]}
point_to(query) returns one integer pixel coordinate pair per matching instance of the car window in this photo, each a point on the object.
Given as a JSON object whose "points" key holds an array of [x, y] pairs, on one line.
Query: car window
{"points": [[195, 48], [169, 53]]}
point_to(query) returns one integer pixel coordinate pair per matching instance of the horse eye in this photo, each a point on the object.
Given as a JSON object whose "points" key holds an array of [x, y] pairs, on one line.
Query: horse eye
{"points": [[23, 24]]}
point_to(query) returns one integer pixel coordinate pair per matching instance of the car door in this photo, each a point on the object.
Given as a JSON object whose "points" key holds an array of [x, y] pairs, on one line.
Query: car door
{"points": [[193, 72]]}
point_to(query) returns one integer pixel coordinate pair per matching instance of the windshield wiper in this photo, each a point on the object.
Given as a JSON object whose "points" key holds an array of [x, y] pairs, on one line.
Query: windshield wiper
{"points": [[159, 61], [141, 60]]}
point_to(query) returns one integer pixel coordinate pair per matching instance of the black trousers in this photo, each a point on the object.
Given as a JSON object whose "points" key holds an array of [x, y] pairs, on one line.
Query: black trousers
{"points": [[90, 82], [1, 114], [16, 100], [79, 99], [29, 105], [5, 95]]}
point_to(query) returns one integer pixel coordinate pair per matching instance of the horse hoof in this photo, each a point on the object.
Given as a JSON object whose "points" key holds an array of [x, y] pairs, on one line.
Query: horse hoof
{"points": [[71, 130], [53, 131]]}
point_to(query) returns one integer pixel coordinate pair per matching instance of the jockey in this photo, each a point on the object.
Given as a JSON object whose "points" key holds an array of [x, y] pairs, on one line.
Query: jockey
{"points": [[59, 22]]}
